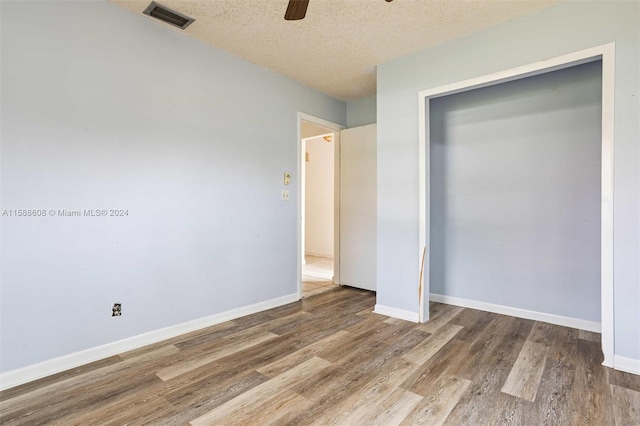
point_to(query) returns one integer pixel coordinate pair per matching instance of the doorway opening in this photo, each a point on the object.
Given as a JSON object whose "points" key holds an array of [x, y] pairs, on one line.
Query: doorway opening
{"points": [[318, 227], [317, 192]]}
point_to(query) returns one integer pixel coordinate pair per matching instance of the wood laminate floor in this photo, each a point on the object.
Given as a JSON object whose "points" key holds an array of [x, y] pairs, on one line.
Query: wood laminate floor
{"points": [[328, 360]]}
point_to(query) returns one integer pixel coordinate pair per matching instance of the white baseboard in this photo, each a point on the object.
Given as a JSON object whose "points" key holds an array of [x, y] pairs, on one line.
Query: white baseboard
{"points": [[629, 365], [29, 373], [327, 255], [396, 313], [519, 313]]}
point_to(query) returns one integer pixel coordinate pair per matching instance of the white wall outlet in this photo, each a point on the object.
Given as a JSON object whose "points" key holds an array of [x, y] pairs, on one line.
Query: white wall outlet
{"points": [[284, 195], [287, 178]]}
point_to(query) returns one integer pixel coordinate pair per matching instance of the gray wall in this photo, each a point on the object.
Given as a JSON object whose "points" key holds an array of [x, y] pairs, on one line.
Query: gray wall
{"points": [[105, 109], [515, 193], [361, 112], [562, 29]]}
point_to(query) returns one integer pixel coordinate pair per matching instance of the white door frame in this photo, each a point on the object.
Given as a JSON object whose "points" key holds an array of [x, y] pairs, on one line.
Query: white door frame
{"points": [[336, 195], [606, 53]]}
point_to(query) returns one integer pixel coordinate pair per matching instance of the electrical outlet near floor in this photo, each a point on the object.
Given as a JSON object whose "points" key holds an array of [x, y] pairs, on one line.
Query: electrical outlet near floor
{"points": [[284, 195], [116, 311]]}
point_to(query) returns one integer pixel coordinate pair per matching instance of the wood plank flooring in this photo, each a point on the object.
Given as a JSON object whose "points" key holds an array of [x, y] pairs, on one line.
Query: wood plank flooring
{"points": [[328, 360]]}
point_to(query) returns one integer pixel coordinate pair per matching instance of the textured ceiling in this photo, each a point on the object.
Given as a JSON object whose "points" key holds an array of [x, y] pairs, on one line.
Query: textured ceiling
{"points": [[336, 48]]}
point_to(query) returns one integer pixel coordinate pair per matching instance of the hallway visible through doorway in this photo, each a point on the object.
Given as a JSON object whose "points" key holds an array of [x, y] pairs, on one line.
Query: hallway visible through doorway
{"points": [[317, 275], [319, 230]]}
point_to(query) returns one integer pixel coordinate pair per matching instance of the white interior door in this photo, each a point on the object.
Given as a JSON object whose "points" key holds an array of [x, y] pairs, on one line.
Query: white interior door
{"points": [[358, 208]]}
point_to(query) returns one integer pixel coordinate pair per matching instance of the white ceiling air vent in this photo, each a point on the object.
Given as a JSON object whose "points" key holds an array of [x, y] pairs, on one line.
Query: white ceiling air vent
{"points": [[167, 15]]}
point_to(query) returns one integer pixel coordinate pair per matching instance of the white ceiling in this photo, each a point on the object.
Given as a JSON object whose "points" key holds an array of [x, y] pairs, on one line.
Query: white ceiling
{"points": [[309, 129], [336, 48]]}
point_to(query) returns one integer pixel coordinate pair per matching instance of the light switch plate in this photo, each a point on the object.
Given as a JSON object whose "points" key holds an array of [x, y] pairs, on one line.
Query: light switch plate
{"points": [[287, 178]]}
